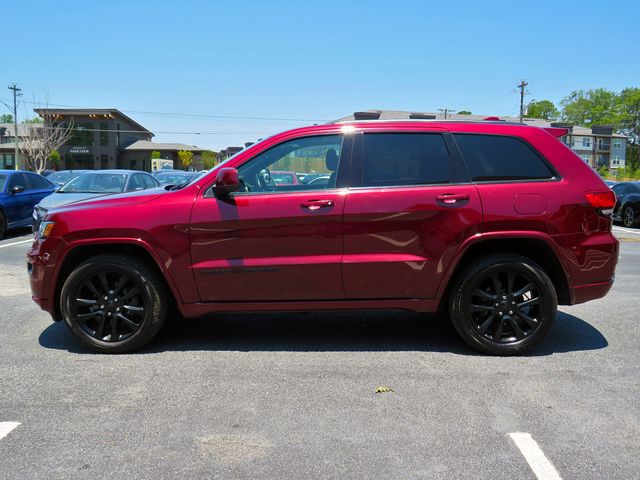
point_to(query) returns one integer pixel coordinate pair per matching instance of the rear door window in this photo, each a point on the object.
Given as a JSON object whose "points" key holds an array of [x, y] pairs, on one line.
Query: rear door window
{"points": [[400, 159], [38, 182], [497, 158]]}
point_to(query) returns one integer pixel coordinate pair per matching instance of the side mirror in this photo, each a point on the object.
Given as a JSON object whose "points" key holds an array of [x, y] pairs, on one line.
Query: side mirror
{"points": [[17, 189], [227, 181]]}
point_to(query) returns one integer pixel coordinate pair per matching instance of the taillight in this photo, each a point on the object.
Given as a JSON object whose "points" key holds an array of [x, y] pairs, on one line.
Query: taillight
{"points": [[603, 200]]}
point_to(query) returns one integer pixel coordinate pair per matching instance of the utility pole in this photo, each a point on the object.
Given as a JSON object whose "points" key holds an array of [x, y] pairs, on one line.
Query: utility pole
{"points": [[522, 86], [16, 93], [445, 111]]}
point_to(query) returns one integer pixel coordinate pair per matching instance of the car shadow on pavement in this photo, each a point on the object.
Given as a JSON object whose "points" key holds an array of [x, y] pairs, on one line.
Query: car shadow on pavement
{"points": [[16, 233], [330, 331]]}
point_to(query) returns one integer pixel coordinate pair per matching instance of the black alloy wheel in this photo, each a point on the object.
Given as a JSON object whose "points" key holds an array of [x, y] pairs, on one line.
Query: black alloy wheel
{"points": [[114, 304], [628, 216], [503, 304]]}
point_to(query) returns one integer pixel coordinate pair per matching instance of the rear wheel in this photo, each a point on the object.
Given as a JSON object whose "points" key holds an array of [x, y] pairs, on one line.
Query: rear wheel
{"points": [[628, 216], [503, 304], [113, 303]]}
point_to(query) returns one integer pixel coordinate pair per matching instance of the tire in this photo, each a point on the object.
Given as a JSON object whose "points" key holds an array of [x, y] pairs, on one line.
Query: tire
{"points": [[3, 225], [628, 216], [495, 318], [123, 303]]}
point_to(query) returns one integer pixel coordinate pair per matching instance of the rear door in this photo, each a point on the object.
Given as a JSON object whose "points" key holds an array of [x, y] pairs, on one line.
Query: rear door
{"points": [[410, 206], [274, 241]]}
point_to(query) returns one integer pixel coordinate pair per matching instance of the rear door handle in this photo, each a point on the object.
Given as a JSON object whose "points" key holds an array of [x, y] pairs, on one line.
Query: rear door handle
{"points": [[316, 204], [452, 198]]}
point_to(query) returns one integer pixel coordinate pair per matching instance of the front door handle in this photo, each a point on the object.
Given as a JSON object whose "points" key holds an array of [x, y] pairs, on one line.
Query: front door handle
{"points": [[452, 198], [316, 204]]}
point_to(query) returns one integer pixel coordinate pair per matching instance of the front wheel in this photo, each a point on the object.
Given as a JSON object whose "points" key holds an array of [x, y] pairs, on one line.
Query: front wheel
{"points": [[628, 216], [114, 303], [503, 304]]}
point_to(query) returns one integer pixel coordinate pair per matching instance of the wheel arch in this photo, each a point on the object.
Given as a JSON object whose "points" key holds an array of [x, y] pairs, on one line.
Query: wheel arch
{"points": [[534, 247], [76, 254]]}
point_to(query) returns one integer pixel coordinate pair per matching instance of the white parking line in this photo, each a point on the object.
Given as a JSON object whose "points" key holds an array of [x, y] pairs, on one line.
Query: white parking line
{"points": [[626, 230], [16, 243], [6, 427], [541, 466]]}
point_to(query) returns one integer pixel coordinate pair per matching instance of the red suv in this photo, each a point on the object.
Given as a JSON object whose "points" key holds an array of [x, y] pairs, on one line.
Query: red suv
{"points": [[494, 223]]}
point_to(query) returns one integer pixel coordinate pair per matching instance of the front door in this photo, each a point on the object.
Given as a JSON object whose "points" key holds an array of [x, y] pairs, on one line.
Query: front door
{"points": [[409, 209], [281, 237]]}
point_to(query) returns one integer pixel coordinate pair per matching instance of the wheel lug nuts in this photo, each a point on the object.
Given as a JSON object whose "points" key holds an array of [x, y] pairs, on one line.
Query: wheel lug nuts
{"points": [[510, 312], [504, 297], [101, 307], [118, 309], [500, 313], [106, 298], [115, 299], [513, 303], [109, 314], [497, 304]]}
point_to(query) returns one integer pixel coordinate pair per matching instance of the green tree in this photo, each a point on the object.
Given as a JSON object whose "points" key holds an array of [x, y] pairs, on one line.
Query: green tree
{"points": [[33, 120], [6, 118], [209, 159], [542, 109], [186, 157], [155, 154], [464, 112], [591, 107], [54, 159], [628, 122]]}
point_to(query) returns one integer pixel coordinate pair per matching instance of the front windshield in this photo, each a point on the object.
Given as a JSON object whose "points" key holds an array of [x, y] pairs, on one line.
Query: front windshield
{"points": [[3, 180], [96, 183], [59, 177], [175, 178]]}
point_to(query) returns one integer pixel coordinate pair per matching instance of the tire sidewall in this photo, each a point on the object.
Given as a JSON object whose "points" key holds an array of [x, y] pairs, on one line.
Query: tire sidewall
{"points": [[153, 315], [470, 280]]}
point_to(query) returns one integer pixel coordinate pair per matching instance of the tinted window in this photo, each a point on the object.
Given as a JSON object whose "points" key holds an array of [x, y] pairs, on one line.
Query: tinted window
{"points": [[136, 183], [492, 157], [3, 180], [390, 159], [149, 181], [37, 182]]}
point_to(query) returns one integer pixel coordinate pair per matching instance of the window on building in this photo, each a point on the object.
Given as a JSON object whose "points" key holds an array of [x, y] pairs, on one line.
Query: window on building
{"points": [[104, 134], [616, 161], [586, 158], [586, 141], [82, 135], [617, 143], [493, 157], [392, 159], [104, 161]]}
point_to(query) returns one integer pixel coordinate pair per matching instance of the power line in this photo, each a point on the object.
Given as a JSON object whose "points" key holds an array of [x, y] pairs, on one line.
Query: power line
{"points": [[197, 115], [446, 111], [253, 132]]}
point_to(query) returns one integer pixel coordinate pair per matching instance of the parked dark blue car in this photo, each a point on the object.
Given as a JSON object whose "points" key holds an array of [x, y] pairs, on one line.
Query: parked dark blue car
{"points": [[19, 192]]}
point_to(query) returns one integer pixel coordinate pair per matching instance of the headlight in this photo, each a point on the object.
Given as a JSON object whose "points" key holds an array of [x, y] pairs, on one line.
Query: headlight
{"points": [[44, 229]]}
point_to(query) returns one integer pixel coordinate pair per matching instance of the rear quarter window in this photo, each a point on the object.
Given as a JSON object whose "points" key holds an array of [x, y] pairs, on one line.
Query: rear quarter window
{"points": [[498, 158]]}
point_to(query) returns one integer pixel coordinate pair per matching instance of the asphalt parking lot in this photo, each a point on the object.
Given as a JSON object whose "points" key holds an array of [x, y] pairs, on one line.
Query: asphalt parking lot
{"points": [[293, 395]]}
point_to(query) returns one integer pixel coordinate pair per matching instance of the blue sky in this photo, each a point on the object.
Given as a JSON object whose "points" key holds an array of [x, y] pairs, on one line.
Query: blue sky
{"points": [[309, 61]]}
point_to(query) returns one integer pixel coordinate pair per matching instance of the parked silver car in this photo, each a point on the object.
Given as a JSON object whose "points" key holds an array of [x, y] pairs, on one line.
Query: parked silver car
{"points": [[94, 184]]}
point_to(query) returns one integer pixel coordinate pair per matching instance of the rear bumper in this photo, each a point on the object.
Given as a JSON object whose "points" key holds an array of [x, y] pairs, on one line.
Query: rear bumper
{"points": [[591, 291]]}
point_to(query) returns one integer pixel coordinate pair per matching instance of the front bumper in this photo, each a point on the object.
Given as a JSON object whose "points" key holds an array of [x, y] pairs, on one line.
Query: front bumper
{"points": [[41, 267]]}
